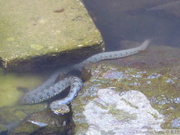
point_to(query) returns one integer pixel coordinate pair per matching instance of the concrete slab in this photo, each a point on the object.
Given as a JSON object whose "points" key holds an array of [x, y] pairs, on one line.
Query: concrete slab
{"points": [[45, 33]]}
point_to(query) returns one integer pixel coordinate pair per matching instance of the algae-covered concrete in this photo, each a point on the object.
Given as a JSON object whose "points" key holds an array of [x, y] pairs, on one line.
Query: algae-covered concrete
{"points": [[43, 33]]}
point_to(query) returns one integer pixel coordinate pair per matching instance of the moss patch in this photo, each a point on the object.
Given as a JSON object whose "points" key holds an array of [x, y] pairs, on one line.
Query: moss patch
{"points": [[32, 32]]}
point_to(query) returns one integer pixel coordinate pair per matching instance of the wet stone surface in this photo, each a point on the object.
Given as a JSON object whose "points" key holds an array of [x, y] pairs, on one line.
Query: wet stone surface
{"points": [[159, 87], [113, 113], [147, 77], [44, 122], [11, 116], [34, 119]]}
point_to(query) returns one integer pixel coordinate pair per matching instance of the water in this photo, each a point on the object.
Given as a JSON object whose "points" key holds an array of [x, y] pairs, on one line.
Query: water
{"points": [[131, 20]]}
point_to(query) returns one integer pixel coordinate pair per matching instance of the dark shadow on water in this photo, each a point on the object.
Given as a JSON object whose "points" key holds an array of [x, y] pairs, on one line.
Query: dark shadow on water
{"points": [[135, 24]]}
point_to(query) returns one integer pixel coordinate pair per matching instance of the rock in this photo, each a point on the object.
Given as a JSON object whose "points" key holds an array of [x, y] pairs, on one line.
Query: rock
{"points": [[122, 114], [159, 88], [35, 37], [44, 122], [11, 116], [176, 123], [171, 7], [156, 77], [3, 128]]}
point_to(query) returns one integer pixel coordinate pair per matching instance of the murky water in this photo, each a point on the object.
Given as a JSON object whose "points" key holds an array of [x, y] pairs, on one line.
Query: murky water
{"points": [[130, 20], [117, 20]]}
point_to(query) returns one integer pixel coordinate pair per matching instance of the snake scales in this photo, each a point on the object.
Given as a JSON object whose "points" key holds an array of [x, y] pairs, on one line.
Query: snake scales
{"points": [[49, 89]]}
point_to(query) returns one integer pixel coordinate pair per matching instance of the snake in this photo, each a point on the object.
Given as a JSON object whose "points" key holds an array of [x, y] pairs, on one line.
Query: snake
{"points": [[50, 89]]}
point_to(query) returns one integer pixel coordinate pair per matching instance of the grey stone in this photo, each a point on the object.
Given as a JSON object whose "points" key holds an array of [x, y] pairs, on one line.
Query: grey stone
{"points": [[113, 81], [132, 113]]}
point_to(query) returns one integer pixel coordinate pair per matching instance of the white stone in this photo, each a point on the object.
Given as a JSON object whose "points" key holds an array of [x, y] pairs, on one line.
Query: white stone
{"points": [[129, 113]]}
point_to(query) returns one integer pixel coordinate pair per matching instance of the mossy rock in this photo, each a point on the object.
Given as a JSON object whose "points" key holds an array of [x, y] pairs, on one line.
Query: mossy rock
{"points": [[44, 122], [11, 116], [40, 34], [161, 87]]}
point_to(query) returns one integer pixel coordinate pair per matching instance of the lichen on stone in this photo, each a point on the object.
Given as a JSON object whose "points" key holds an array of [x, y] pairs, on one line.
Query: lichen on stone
{"points": [[124, 118]]}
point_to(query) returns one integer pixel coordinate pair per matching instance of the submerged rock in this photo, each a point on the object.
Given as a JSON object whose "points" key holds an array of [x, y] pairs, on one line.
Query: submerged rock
{"points": [[3, 128], [13, 85], [11, 116], [44, 122]]}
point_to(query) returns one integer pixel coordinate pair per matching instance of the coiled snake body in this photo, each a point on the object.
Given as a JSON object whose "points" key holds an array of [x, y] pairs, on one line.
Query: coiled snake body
{"points": [[49, 89]]}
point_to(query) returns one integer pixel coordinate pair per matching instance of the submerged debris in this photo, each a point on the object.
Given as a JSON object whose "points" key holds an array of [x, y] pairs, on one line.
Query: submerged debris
{"points": [[164, 4]]}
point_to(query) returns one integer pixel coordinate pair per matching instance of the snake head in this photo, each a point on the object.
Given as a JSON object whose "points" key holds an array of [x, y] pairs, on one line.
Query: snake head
{"points": [[59, 108]]}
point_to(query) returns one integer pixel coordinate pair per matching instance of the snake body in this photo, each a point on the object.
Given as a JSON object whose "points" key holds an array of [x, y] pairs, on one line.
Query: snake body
{"points": [[49, 89]]}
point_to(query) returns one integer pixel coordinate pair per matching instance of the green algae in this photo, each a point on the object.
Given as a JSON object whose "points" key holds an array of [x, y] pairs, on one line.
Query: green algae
{"points": [[12, 83], [160, 86], [3, 128], [151, 83], [36, 47], [11, 116], [44, 121], [32, 32], [122, 115]]}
